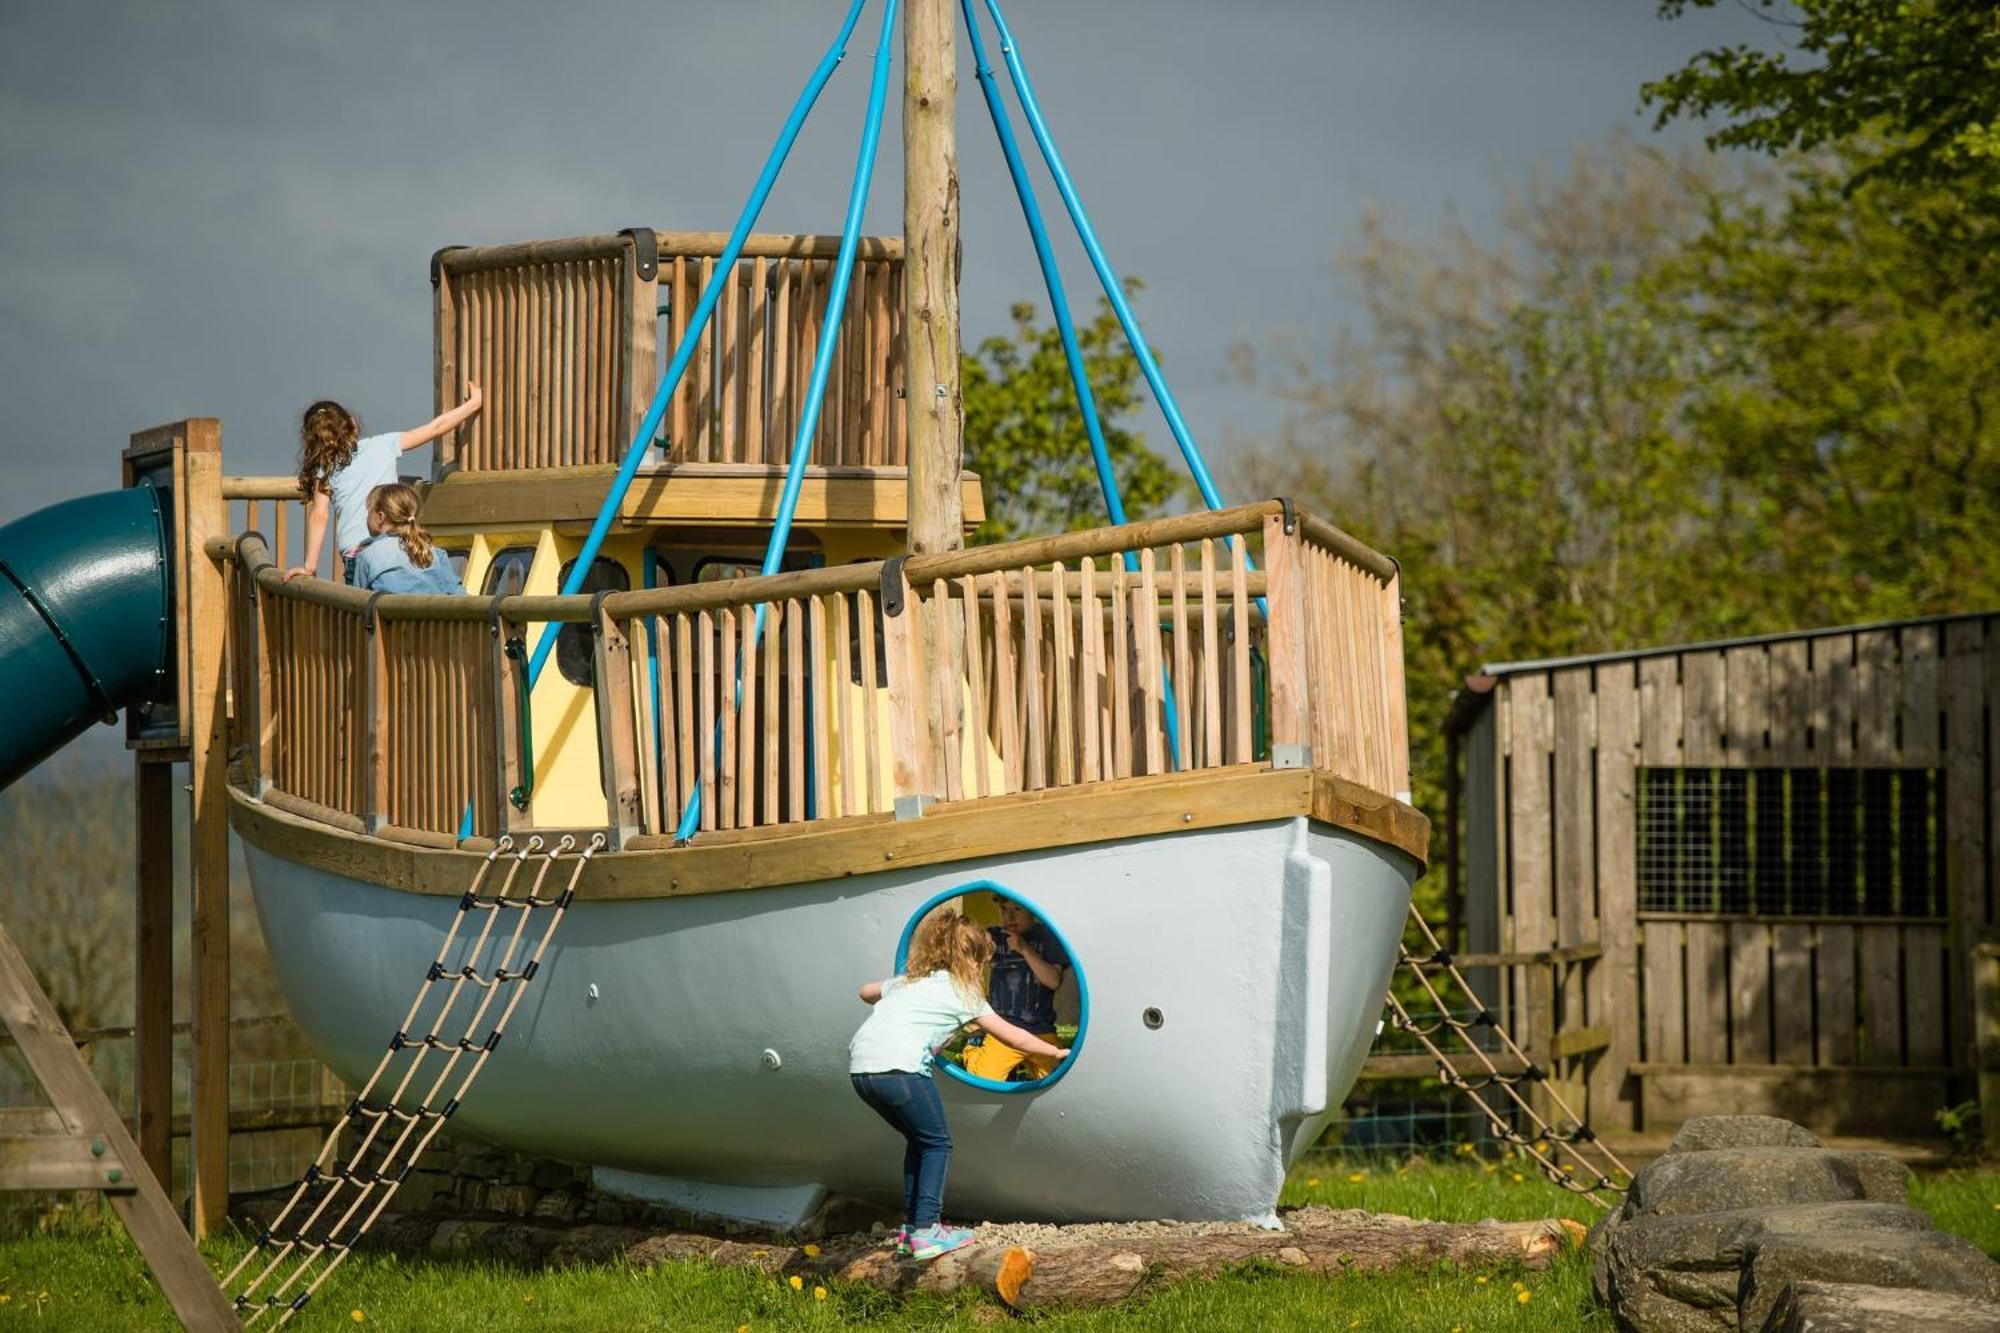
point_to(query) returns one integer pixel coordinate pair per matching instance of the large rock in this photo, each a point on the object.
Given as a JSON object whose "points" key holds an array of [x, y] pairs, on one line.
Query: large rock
{"points": [[1841, 1307], [1705, 1133], [1720, 1179], [1681, 1272], [1927, 1260]]}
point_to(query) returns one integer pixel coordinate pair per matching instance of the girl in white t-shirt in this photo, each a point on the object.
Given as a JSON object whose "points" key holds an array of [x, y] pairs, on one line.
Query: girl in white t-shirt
{"points": [[940, 990], [338, 468]]}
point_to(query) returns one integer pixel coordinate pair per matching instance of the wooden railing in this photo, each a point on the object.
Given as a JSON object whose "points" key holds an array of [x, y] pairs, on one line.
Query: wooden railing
{"points": [[1088, 657], [565, 338]]}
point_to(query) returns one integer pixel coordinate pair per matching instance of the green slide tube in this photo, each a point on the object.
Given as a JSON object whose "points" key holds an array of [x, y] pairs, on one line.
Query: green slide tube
{"points": [[86, 610]]}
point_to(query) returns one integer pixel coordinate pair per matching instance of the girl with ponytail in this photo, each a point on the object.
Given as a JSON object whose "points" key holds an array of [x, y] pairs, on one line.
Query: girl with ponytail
{"points": [[400, 556], [339, 467]]}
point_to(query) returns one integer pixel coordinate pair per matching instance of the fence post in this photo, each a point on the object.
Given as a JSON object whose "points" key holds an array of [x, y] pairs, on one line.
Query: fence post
{"points": [[617, 724], [1986, 1037], [510, 733], [1392, 682], [909, 713], [374, 810], [1541, 1029], [1285, 595]]}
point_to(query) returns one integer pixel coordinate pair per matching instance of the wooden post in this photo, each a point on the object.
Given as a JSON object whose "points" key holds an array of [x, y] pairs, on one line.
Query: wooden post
{"points": [[934, 408], [84, 1146], [153, 985], [374, 723], [205, 616], [909, 739], [1986, 1038], [508, 773], [446, 385], [617, 727], [1285, 594]]}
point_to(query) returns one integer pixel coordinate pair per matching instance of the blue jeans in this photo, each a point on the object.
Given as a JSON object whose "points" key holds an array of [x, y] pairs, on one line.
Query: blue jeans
{"points": [[911, 1105]]}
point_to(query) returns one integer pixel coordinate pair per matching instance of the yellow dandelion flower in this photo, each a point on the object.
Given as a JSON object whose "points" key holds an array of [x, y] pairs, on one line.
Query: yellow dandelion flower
{"points": [[1357, 1177], [1312, 1183], [1524, 1296], [743, 1328], [1518, 1177], [357, 1316], [528, 1299], [819, 1293], [1519, 1286], [798, 1283], [1490, 1167], [1481, 1279], [810, 1251]]}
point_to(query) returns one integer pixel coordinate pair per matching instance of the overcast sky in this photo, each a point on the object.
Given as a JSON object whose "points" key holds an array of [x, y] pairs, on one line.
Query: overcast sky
{"points": [[227, 209]]}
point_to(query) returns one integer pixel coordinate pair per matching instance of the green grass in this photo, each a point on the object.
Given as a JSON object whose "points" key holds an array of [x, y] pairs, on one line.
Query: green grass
{"points": [[88, 1276]]}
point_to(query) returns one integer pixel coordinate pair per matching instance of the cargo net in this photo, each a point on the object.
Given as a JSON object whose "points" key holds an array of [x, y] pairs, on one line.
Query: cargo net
{"points": [[340, 1196], [1501, 1082]]}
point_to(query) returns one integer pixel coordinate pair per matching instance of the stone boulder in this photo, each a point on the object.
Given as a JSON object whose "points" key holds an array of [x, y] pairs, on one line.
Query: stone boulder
{"points": [[1746, 1221], [1842, 1307], [1705, 1133], [1682, 1271], [1720, 1179], [1924, 1260]]}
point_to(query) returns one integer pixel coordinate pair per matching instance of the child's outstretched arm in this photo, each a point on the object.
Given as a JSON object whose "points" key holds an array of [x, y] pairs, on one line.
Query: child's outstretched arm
{"points": [[449, 421], [871, 991], [319, 510], [1020, 1038]]}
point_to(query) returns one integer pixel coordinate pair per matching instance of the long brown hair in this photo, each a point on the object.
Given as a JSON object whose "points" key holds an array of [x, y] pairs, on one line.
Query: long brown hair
{"points": [[327, 435], [396, 504], [947, 942]]}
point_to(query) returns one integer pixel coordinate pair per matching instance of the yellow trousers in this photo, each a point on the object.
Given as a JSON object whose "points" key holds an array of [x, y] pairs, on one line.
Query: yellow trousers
{"points": [[994, 1059]]}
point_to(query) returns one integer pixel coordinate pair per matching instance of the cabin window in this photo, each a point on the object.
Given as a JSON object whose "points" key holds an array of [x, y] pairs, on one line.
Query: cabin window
{"points": [[507, 572], [1859, 842], [573, 645], [1029, 953]]}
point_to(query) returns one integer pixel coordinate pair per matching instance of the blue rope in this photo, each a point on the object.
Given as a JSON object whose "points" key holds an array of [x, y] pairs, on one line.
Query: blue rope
{"points": [[698, 321], [1107, 277], [1086, 398], [836, 305]]}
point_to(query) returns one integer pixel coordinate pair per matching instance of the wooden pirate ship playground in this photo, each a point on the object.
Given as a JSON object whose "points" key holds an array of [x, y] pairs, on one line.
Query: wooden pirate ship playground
{"points": [[587, 862]]}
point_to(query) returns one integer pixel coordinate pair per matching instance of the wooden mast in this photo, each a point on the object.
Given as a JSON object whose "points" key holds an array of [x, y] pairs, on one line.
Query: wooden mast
{"points": [[930, 275], [935, 411]]}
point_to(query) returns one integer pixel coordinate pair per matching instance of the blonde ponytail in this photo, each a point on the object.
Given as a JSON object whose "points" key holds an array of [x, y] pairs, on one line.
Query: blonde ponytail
{"points": [[395, 506]]}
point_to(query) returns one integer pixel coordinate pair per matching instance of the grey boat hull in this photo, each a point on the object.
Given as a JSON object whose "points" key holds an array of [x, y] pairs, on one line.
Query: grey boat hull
{"points": [[695, 1048]]}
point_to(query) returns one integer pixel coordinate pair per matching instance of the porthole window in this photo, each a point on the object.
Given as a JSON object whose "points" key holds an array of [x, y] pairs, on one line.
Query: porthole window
{"points": [[507, 572], [573, 647], [1033, 979]]}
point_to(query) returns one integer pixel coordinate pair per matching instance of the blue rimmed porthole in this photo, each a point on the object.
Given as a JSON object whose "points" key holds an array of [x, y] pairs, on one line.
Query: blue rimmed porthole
{"points": [[1076, 965]]}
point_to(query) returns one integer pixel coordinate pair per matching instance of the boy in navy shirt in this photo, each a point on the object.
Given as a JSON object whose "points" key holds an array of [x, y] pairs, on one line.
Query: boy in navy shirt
{"points": [[1028, 969]]}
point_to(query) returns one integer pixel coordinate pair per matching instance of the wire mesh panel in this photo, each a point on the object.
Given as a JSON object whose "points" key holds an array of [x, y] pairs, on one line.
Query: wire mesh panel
{"points": [[1792, 841]]}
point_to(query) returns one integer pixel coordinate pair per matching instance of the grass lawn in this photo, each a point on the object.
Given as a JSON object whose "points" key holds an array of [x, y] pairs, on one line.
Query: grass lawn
{"points": [[90, 1277]]}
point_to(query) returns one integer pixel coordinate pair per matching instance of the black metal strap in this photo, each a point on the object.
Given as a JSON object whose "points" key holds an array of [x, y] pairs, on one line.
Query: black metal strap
{"points": [[646, 250], [92, 686], [892, 585]]}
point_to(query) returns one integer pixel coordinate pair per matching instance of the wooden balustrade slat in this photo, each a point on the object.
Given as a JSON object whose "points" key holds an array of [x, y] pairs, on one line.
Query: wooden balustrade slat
{"points": [[1035, 744], [1146, 624], [871, 734], [979, 737], [1064, 684], [1121, 685]]}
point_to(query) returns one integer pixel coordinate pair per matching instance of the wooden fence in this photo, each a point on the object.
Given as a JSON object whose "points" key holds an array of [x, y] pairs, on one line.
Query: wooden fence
{"points": [[1782, 848], [566, 339], [1090, 657]]}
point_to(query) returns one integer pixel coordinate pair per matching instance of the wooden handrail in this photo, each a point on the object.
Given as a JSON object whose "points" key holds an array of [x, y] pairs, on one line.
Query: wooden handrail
{"points": [[689, 244]]}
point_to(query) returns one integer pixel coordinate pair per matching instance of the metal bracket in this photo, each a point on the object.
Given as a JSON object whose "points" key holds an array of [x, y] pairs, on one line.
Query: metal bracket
{"points": [[646, 250], [250, 583], [1291, 514], [1291, 756], [92, 686], [437, 262], [913, 807], [892, 585], [368, 612]]}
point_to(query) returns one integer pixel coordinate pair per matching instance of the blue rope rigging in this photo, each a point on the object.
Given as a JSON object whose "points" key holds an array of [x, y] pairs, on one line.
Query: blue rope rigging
{"points": [[829, 333], [1086, 398], [642, 439]]}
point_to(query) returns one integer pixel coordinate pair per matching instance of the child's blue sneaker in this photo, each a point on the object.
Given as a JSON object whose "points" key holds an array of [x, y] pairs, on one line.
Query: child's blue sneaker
{"points": [[931, 1241]]}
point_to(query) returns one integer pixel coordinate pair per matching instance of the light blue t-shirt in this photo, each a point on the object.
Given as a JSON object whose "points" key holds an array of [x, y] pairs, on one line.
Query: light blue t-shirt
{"points": [[911, 1018], [373, 464], [384, 565]]}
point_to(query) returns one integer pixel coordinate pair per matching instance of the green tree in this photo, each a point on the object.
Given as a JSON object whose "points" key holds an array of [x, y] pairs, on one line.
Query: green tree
{"points": [[1924, 75], [1026, 439]]}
